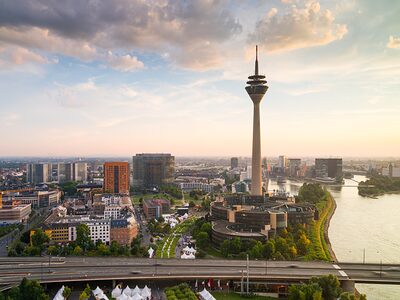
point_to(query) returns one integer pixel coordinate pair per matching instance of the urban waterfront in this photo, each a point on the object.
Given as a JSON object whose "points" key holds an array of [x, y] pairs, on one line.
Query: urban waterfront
{"points": [[362, 223]]}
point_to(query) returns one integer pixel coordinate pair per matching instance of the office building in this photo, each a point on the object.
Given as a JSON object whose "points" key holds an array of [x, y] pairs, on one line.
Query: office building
{"points": [[234, 162], [39, 199], [294, 166], [116, 177], [153, 170], [65, 172], [391, 171], [72, 172], [282, 162], [38, 173], [80, 171], [328, 167], [256, 89], [123, 230], [155, 208], [14, 213]]}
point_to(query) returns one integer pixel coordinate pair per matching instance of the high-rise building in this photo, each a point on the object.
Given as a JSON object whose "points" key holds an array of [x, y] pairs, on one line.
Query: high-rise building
{"points": [[80, 171], [294, 165], [72, 172], [65, 172], [151, 170], [391, 171], [282, 162], [256, 89], [38, 173], [234, 162], [116, 177], [328, 167]]}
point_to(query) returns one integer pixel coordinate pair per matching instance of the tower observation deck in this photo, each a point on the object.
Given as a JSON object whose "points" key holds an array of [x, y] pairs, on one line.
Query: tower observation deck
{"points": [[256, 88]]}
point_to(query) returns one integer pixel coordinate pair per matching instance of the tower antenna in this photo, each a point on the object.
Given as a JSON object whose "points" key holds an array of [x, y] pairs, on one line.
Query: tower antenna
{"points": [[256, 65]]}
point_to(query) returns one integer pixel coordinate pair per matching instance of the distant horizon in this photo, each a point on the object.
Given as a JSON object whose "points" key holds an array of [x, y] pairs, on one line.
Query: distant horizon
{"points": [[198, 156]]}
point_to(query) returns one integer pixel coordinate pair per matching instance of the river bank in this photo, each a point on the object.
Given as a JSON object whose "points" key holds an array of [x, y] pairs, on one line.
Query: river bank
{"points": [[326, 228]]}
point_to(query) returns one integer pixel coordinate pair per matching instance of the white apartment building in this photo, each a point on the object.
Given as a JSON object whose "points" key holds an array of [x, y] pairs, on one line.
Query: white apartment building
{"points": [[99, 230], [198, 186], [112, 212]]}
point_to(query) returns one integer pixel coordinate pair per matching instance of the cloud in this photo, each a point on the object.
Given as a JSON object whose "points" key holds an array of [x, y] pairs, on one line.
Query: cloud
{"points": [[14, 56], [298, 27], [87, 30], [394, 42], [125, 63]]}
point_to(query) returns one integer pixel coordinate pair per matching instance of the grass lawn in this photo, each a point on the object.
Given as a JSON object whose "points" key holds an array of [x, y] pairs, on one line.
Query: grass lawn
{"points": [[234, 296], [171, 240]]}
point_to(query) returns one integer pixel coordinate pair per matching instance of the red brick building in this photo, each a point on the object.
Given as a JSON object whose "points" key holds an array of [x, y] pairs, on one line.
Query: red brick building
{"points": [[116, 177]]}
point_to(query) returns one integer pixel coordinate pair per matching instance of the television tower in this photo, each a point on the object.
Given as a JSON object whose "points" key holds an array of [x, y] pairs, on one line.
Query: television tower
{"points": [[256, 89]]}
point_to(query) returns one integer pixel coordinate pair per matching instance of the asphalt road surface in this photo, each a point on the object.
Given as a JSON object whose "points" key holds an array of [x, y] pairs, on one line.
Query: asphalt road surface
{"points": [[120, 268]]}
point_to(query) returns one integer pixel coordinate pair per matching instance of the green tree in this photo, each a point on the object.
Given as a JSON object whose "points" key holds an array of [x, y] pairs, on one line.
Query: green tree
{"points": [[103, 250], [269, 249], [347, 296], [225, 248], [83, 239], [330, 286], [14, 293], [32, 290], [40, 239], [77, 251], [282, 246], [67, 292], [303, 243], [257, 250], [84, 296], [310, 291], [52, 250], [235, 246], [206, 227], [311, 192], [202, 239], [69, 188]]}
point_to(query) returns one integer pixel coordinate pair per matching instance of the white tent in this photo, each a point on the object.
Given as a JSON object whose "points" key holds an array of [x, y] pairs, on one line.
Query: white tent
{"points": [[136, 297], [136, 290], [116, 292], [59, 295], [97, 291], [123, 297], [146, 292], [151, 252], [127, 291], [205, 295], [192, 250], [101, 296], [188, 256], [186, 249]]}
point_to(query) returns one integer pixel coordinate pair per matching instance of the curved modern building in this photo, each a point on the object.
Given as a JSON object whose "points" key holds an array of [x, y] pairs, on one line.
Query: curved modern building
{"points": [[249, 217]]}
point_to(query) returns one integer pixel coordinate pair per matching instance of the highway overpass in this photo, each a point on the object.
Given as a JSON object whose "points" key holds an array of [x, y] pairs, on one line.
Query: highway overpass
{"points": [[75, 269]]}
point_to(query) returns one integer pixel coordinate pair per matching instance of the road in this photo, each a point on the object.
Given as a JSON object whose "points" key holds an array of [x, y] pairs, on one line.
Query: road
{"points": [[120, 268]]}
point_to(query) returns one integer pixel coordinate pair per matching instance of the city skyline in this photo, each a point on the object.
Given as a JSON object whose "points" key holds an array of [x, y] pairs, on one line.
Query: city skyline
{"points": [[154, 78]]}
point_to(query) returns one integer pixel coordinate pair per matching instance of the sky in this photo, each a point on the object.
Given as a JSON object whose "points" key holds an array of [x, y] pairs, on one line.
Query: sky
{"points": [[119, 77]]}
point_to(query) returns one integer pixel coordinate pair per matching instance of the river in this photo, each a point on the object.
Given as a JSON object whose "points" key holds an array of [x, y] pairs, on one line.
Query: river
{"points": [[362, 223]]}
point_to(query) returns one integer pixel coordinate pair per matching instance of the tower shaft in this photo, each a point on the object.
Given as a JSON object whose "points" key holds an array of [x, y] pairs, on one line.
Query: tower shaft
{"points": [[256, 176]]}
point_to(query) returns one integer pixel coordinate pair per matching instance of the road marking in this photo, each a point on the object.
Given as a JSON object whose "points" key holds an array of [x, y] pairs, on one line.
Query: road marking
{"points": [[343, 273], [336, 267]]}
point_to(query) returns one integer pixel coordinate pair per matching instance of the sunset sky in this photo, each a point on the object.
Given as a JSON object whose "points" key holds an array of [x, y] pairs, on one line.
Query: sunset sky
{"points": [[119, 77]]}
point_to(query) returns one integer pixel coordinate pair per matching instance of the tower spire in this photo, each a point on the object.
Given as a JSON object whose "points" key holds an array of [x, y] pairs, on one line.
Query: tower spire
{"points": [[256, 64]]}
